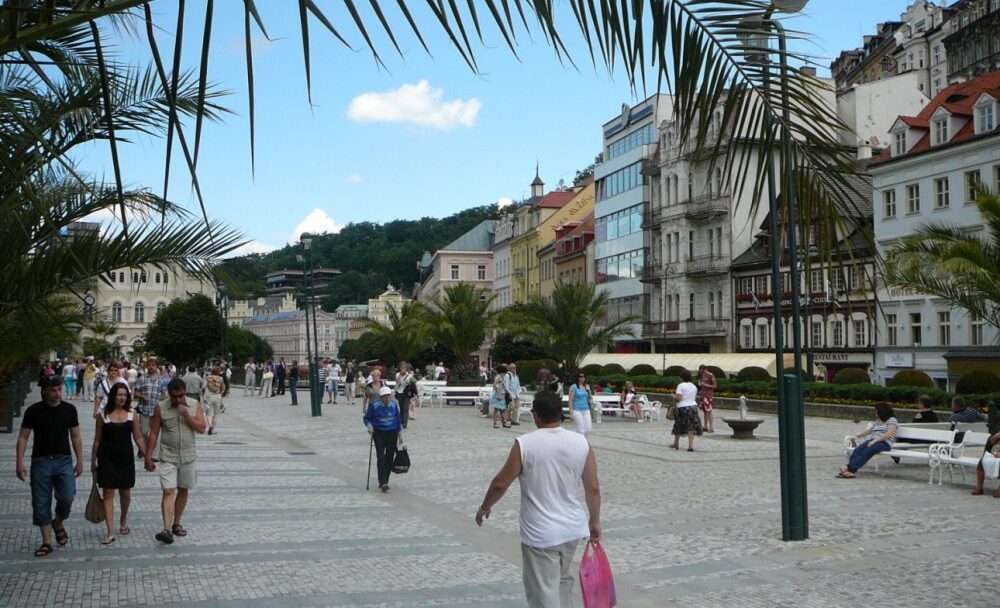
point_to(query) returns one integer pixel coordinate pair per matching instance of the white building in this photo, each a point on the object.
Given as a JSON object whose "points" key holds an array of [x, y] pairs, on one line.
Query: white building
{"points": [[503, 232], [620, 200], [924, 178], [240, 311], [349, 321], [286, 333]]}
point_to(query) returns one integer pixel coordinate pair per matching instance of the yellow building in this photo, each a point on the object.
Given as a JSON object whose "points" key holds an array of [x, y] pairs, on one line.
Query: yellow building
{"points": [[572, 213], [378, 308]]}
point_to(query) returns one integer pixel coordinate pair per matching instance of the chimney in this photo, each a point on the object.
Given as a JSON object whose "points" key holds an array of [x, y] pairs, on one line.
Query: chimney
{"points": [[864, 152], [808, 71]]}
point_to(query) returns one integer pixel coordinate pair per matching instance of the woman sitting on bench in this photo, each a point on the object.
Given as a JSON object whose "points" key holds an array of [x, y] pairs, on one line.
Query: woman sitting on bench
{"points": [[992, 445], [880, 438], [630, 399]]}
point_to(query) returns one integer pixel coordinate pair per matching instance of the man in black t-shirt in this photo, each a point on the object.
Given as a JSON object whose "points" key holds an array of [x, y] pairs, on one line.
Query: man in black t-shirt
{"points": [[54, 423]]}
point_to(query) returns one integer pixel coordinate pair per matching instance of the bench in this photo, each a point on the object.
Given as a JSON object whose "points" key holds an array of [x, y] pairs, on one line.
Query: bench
{"points": [[912, 443], [473, 394], [953, 454]]}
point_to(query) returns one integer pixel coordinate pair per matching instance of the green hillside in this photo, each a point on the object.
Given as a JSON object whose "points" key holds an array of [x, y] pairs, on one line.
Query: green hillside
{"points": [[369, 254]]}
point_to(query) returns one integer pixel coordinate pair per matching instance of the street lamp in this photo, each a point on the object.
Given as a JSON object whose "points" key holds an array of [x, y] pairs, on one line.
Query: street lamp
{"points": [[791, 421], [315, 391]]}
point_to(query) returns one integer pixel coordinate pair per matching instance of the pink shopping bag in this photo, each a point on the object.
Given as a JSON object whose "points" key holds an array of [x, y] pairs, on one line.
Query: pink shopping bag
{"points": [[596, 580]]}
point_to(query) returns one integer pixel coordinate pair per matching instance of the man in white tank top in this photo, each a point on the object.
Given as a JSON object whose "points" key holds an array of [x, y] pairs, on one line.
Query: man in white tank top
{"points": [[551, 463]]}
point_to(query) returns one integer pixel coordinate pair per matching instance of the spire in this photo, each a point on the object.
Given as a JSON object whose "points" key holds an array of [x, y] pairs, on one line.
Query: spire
{"points": [[537, 186]]}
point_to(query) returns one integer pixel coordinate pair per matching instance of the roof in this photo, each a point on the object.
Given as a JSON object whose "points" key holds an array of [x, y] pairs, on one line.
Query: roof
{"points": [[858, 244], [277, 316], [557, 199], [958, 100], [479, 238]]}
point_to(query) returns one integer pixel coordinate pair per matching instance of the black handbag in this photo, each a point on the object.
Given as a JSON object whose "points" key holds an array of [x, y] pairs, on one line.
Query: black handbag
{"points": [[401, 463]]}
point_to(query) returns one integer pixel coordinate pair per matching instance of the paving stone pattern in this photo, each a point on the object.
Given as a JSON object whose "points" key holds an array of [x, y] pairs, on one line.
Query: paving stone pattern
{"points": [[281, 518]]}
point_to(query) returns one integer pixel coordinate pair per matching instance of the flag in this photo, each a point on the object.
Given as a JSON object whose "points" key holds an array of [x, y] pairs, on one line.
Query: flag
{"points": [[756, 300], [830, 295]]}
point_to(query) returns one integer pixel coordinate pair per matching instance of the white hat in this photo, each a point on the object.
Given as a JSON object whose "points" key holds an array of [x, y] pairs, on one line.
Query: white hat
{"points": [[385, 390]]}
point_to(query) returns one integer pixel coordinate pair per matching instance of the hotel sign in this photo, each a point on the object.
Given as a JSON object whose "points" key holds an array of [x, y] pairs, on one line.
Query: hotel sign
{"points": [[899, 359]]}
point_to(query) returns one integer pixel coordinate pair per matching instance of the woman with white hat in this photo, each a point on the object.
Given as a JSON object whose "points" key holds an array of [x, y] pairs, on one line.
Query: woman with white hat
{"points": [[384, 424]]}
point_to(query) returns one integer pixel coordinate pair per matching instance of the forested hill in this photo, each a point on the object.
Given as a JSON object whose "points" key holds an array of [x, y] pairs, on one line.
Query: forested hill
{"points": [[370, 255]]}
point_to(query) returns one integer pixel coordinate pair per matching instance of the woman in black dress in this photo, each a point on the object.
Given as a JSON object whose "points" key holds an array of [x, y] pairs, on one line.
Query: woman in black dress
{"points": [[111, 456]]}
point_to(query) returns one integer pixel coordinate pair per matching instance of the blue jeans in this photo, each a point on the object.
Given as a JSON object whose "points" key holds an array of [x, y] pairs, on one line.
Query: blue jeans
{"points": [[48, 474], [864, 452], [331, 387], [293, 383]]}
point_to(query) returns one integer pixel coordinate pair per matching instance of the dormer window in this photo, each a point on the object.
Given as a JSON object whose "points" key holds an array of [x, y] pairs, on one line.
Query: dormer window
{"points": [[899, 143], [985, 116], [940, 131]]}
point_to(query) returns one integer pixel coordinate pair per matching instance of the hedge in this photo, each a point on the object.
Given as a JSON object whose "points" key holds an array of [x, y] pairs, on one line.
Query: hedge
{"points": [[591, 370], [852, 375], [717, 371], [643, 369], [977, 381], [911, 377], [612, 368], [674, 370], [753, 373]]}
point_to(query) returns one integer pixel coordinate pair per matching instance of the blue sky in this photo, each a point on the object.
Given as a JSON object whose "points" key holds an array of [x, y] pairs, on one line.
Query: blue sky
{"points": [[355, 155]]}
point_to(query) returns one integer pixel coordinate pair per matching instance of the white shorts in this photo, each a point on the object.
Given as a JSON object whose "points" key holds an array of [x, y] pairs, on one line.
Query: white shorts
{"points": [[177, 475], [582, 421]]}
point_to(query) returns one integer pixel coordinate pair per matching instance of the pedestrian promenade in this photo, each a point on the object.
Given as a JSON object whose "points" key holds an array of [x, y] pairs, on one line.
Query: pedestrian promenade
{"points": [[281, 518]]}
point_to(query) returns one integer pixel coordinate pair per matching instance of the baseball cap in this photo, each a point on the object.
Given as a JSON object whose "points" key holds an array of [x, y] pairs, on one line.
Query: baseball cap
{"points": [[385, 390]]}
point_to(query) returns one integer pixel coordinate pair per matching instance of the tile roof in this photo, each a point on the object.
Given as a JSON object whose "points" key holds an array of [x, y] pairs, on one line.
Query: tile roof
{"points": [[557, 199], [958, 99]]}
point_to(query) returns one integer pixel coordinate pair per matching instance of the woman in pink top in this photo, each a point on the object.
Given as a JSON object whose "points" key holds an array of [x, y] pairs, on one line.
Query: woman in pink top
{"points": [[706, 392]]}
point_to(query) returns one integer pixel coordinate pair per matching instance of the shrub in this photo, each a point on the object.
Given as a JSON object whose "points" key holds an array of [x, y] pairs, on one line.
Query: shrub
{"points": [[612, 368], [592, 370], [852, 375], [753, 374], [977, 381], [642, 370], [527, 370], [717, 372], [674, 370], [911, 377]]}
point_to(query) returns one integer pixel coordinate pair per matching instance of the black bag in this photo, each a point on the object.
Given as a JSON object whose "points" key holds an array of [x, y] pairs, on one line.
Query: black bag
{"points": [[401, 463]]}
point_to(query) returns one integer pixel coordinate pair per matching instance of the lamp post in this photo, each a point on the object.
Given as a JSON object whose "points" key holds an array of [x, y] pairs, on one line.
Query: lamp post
{"points": [[224, 304], [315, 394], [791, 422]]}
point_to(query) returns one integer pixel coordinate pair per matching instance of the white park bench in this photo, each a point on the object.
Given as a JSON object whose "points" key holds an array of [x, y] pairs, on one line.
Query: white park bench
{"points": [[441, 395], [912, 444], [953, 454]]}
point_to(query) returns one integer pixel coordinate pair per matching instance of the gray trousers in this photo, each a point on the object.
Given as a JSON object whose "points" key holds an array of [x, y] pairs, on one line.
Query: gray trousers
{"points": [[548, 582]]}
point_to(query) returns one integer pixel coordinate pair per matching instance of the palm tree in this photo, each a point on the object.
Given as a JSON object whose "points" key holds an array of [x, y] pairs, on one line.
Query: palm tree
{"points": [[698, 52], [949, 262], [568, 325], [405, 336], [460, 321]]}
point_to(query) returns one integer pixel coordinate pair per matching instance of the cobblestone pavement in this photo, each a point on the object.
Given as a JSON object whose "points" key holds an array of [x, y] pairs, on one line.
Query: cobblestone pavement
{"points": [[281, 518]]}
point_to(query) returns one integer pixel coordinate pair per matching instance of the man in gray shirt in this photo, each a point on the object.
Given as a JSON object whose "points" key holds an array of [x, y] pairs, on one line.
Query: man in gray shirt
{"points": [[195, 384]]}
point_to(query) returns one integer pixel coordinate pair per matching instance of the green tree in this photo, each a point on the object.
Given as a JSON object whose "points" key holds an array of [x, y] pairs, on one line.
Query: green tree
{"points": [[568, 325], [508, 349], [588, 171], [104, 345], [951, 263], [459, 321], [186, 331], [246, 345], [405, 336], [367, 347]]}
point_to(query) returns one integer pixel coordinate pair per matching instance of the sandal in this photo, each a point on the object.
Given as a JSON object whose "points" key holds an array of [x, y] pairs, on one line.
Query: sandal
{"points": [[164, 537], [124, 529], [495, 425], [977, 492], [846, 475], [506, 425], [61, 536], [178, 530], [43, 550], [108, 540]]}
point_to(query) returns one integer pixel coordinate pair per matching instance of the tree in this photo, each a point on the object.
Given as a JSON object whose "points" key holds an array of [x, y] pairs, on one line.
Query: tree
{"points": [[459, 321], [186, 331], [246, 345], [367, 347], [406, 334], [948, 262], [104, 345], [507, 349], [588, 171], [568, 325]]}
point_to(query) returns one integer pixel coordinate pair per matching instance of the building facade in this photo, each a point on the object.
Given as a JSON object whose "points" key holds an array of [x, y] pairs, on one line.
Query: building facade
{"points": [[240, 311], [286, 333], [467, 259], [378, 308], [290, 281], [925, 177], [502, 271], [973, 40], [349, 322], [621, 198], [574, 252]]}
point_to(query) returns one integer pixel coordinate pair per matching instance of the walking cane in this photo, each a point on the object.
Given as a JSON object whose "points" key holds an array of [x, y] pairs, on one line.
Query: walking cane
{"points": [[371, 446]]}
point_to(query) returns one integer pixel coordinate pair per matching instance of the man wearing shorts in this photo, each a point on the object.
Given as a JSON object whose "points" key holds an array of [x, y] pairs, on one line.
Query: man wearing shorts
{"points": [[148, 391], [175, 422]]}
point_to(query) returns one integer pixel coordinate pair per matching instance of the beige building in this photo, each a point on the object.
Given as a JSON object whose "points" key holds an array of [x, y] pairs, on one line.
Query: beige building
{"points": [[378, 308], [574, 252], [349, 322], [467, 259], [286, 333], [570, 214], [240, 311]]}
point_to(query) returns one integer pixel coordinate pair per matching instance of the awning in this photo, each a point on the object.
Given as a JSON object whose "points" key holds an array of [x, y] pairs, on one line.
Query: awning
{"points": [[731, 363]]}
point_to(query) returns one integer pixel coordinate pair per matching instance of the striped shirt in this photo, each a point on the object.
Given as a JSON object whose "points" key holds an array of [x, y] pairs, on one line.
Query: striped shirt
{"points": [[153, 389], [966, 415], [881, 428], [322, 371]]}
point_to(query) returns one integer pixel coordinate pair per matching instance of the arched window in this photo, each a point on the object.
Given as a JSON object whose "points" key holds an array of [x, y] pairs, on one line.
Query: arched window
{"points": [[166, 278], [157, 278], [139, 313], [116, 312], [160, 307], [690, 186], [718, 180]]}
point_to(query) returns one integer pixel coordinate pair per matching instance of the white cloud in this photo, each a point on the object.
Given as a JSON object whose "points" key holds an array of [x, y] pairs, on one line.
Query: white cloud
{"points": [[252, 247], [504, 201], [317, 222], [354, 178], [416, 104]]}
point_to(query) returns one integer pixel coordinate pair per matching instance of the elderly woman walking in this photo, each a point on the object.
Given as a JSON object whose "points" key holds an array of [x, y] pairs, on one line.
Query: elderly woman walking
{"points": [[686, 420]]}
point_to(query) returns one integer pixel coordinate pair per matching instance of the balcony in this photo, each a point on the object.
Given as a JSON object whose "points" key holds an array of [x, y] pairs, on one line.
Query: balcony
{"points": [[707, 265], [651, 218], [707, 206], [651, 272], [652, 329], [519, 273], [696, 327]]}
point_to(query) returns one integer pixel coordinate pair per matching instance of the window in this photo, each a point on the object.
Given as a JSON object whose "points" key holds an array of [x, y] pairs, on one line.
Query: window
{"points": [[940, 131], [620, 181], [748, 336], [718, 301], [690, 305], [915, 328], [985, 120], [860, 333], [838, 333], [711, 305], [944, 328], [670, 249], [711, 242], [454, 272], [899, 143], [718, 181], [996, 178], [913, 198], [763, 336], [139, 313], [745, 285], [166, 278], [633, 140], [690, 187], [936, 51], [481, 272], [116, 312], [157, 279], [976, 325], [718, 240], [892, 331], [816, 281], [855, 276], [941, 197], [889, 203], [837, 279], [121, 277], [971, 180], [135, 277], [690, 244], [142, 276], [760, 285], [817, 334]]}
